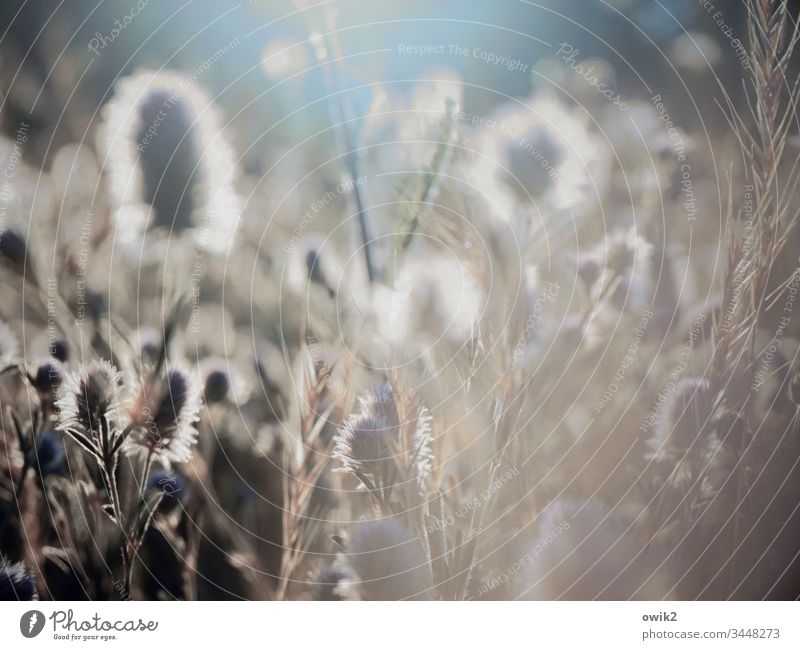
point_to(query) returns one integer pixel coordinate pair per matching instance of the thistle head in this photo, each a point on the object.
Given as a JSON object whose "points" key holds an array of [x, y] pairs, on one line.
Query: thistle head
{"points": [[90, 396], [163, 416], [362, 445], [684, 413]]}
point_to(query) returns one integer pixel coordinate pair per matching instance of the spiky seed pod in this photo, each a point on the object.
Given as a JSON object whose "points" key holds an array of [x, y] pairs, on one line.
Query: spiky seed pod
{"points": [[16, 582], [163, 416], [389, 561], [89, 396], [362, 445]]}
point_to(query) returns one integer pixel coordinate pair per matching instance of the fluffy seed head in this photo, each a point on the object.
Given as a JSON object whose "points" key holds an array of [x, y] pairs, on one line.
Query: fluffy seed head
{"points": [[389, 560], [89, 395], [362, 444], [163, 416], [166, 151]]}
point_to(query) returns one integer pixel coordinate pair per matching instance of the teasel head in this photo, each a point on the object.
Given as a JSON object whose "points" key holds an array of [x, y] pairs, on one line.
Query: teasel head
{"points": [[678, 439], [163, 416], [363, 447], [16, 582], [88, 409], [168, 163], [9, 347], [389, 561]]}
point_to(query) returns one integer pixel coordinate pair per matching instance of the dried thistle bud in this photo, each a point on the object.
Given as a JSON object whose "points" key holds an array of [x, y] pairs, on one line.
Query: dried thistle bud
{"points": [[48, 378], [16, 582], [389, 561], [90, 396], [362, 445], [163, 416]]}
